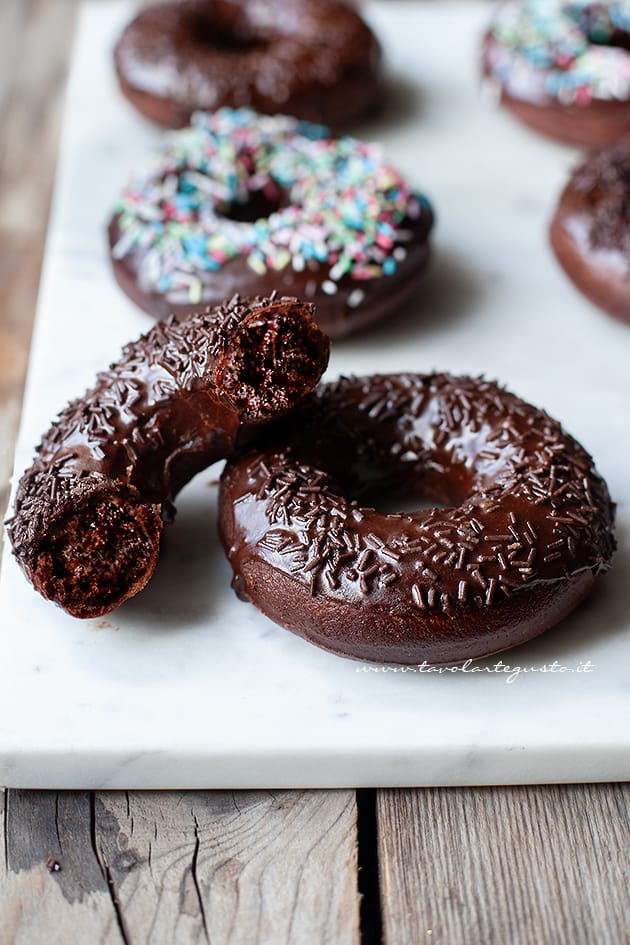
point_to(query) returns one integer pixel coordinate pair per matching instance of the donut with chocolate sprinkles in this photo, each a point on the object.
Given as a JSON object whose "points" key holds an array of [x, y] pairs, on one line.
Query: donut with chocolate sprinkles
{"points": [[90, 510], [319, 61], [527, 527], [590, 229]]}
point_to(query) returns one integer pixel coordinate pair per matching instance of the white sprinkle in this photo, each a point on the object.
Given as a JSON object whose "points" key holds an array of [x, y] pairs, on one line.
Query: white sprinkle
{"points": [[329, 287], [355, 298], [400, 253], [125, 242]]}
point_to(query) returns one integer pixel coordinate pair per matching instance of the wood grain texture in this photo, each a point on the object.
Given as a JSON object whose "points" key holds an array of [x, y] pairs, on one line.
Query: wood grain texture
{"points": [[227, 868], [38, 903], [36, 36], [516, 865], [11, 24]]}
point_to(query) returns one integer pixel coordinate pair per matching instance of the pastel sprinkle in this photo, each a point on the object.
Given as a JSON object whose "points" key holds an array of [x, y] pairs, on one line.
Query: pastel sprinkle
{"points": [[564, 49], [356, 297]]}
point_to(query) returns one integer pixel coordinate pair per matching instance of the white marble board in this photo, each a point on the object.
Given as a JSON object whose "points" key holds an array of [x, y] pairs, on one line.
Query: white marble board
{"points": [[187, 687]]}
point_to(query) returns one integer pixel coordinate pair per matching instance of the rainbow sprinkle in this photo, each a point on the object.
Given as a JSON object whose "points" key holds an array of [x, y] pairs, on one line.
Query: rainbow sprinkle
{"points": [[567, 51], [344, 207]]}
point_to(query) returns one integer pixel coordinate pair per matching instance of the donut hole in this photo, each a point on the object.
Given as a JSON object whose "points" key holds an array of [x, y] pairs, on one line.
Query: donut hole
{"points": [[390, 469], [618, 40], [111, 545], [277, 357], [258, 204], [221, 29], [394, 502]]}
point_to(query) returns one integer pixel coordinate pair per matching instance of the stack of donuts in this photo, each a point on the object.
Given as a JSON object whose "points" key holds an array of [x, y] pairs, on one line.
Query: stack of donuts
{"points": [[252, 236]]}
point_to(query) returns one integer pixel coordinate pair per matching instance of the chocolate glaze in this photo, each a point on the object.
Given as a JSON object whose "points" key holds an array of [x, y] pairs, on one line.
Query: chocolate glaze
{"points": [[317, 61], [335, 314], [590, 229], [89, 512], [596, 125], [527, 528]]}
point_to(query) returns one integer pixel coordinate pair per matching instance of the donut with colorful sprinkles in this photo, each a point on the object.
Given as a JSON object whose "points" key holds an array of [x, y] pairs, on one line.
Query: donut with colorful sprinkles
{"points": [[316, 60], [563, 67], [241, 202]]}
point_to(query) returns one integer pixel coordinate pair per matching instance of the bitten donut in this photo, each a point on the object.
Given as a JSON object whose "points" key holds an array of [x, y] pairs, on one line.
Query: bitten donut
{"points": [[590, 229], [526, 529], [89, 512], [563, 67], [250, 203], [317, 61]]}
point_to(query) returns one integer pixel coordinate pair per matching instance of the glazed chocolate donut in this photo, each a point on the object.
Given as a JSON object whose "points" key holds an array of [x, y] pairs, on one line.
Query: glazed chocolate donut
{"points": [[563, 67], [250, 203], [527, 527], [317, 61], [590, 230], [89, 512]]}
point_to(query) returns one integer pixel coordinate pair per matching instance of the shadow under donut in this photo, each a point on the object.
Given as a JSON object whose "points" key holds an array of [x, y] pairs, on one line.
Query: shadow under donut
{"points": [[192, 572], [448, 293]]}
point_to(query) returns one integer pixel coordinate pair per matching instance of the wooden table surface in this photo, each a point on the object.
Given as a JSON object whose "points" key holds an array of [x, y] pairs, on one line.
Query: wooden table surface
{"points": [[405, 867]]}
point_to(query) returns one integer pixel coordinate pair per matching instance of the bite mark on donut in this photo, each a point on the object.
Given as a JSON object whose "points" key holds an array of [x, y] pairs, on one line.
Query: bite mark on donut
{"points": [[275, 358], [97, 556]]}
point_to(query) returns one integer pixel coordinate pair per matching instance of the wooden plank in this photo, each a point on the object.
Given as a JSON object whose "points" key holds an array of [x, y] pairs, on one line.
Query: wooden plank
{"points": [[256, 867], [11, 21], [53, 889], [238, 867], [509, 864], [36, 37]]}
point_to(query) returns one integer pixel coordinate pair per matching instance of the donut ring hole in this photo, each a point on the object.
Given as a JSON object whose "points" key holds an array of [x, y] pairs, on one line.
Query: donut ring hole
{"points": [[274, 360], [111, 554], [618, 40], [409, 501], [389, 466], [258, 204], [224, 28], [258, 196]]}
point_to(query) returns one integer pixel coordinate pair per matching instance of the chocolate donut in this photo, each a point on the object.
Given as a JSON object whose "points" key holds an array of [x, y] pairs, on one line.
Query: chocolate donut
{"points": [[563, 67], [89, 512], [317, 61], [527, 527], [250, 203], [590, 229]]}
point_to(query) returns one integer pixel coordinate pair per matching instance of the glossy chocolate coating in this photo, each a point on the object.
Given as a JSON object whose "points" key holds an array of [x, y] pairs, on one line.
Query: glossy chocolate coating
{"points": [[89, 512], [596, 125], [335, 314], [527, 527], [590, 229], [317, 61]]}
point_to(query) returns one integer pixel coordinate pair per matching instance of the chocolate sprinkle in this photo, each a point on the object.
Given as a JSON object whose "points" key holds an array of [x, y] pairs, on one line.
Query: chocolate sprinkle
{"points": [[602, 185]]}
